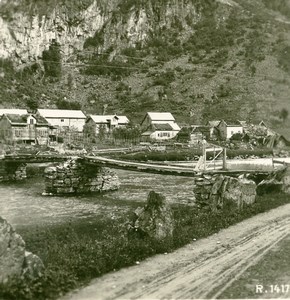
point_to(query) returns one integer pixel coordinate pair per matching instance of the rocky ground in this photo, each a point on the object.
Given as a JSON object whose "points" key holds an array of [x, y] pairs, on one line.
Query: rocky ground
{"points": [[203, 269]]}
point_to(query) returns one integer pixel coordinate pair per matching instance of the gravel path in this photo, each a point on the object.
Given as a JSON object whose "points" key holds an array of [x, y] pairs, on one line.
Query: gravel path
{"points": [[202, 269]]}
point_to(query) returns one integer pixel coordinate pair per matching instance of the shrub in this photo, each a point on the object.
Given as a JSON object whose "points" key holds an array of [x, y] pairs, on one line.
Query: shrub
{"points": [[52, 60], [64, 104], [164, 78]]}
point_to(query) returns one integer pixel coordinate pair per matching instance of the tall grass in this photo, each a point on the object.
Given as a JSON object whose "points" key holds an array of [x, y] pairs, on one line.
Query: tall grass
{"points": [[75, 253]]}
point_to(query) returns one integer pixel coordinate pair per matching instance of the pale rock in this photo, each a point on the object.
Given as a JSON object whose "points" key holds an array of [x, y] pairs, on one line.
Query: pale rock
{"points": [[32, 266], [12, 249], [155, 219]]}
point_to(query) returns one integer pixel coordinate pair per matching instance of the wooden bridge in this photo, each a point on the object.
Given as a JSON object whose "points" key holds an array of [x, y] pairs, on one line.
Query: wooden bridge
{"points": [[34, 158], [177, 170]]}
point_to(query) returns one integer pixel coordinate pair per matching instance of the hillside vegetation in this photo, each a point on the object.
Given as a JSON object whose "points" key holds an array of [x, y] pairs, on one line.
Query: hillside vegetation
{"points": [[230, 60]]}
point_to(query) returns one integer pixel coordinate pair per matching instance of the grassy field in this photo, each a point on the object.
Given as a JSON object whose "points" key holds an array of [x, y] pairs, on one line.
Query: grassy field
{"points": [[81, 250]]}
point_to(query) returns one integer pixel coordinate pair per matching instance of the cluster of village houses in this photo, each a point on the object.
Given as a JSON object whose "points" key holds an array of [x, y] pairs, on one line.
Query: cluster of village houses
{"points": [[47, 125]]}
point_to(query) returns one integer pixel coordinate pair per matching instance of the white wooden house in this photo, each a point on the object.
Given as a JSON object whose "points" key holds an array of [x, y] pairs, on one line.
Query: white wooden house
{"points": [[24, 128], [63, 119], [229, 128], [108, 122], [159, 126]]}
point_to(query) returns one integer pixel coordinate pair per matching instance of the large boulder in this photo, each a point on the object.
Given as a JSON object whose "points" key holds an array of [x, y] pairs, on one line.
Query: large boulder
{"points": [[216, 191], [286, 181], [14, 260], [267, 186], [155, 219], [12, 251], [239, 191]]}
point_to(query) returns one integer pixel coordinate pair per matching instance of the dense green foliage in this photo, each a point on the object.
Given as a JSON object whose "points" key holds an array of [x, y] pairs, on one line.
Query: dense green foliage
{"points": [[77, 252], [52, 60]]}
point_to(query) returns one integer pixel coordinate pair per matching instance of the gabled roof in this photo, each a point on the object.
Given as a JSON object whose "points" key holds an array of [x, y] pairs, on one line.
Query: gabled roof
{"points": [[61, 113], [200, 128], [166, 127], [16, 119], [213, 123], [161, 116], [162, 127], [106, 118], [232, 123], [13, 111], [40, 120]]}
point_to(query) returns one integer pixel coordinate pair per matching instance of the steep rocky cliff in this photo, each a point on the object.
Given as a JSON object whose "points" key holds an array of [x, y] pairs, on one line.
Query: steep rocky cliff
{"points": [[199, 59], [27, 31]]}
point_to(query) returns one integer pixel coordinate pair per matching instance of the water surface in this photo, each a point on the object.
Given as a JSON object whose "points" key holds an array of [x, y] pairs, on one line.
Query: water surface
{"points": [[22, 203]]}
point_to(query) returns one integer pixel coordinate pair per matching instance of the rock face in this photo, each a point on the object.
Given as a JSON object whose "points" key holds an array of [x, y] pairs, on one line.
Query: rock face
{"points": [[74, 177], [27, 30], [217, 191], [155, 219], [14, 260]]}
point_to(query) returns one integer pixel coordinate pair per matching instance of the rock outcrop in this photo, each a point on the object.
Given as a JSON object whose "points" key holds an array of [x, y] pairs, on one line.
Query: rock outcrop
{"points": [[14, 260], [74, 177], [12, 251], [155, 219], [216, 191], [27, 30]]}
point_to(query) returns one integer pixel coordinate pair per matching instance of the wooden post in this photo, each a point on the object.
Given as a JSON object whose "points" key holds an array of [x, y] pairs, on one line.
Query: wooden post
{"points": [[225, 159], [204, 155], [214, 157]]}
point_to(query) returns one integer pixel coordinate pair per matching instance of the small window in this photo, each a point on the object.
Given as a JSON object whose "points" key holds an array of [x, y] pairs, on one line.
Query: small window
{"points": [[62, 120], [17, 133], [31, 121]]}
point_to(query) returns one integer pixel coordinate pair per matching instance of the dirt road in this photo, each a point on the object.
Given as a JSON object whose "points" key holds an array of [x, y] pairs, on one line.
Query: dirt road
{"points": [[202, 269]]}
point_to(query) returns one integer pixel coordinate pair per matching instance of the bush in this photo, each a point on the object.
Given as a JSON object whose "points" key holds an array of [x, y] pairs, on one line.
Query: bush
{"points": [[52, 60], [164, 78], [64, 104]]}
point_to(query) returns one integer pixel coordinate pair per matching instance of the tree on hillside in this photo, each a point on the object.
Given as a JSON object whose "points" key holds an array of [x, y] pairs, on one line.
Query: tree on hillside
{"points": [[283, 114], [52, 60]]}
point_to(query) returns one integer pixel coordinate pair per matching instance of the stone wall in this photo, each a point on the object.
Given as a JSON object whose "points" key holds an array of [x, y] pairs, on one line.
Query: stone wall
{"points": [[215, 191], [74, 177], [12, 171]]}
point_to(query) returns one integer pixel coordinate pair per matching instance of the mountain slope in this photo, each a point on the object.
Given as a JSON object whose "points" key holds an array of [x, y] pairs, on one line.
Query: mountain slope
{"points": [[198, 59]]}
